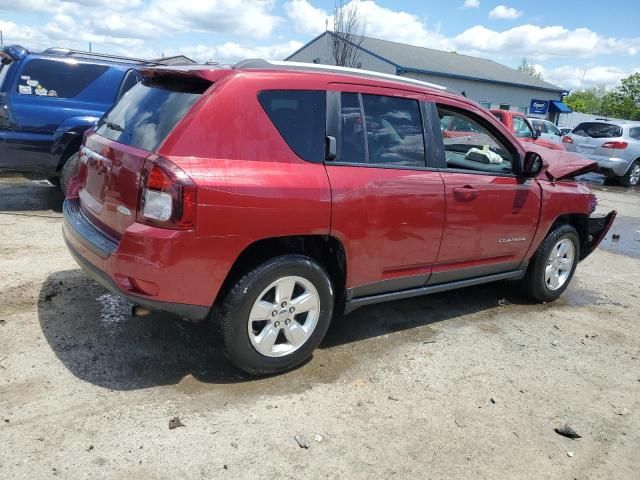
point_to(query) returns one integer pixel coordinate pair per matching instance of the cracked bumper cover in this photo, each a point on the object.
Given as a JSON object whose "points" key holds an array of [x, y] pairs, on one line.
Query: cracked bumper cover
{"points": [[597, 229]]}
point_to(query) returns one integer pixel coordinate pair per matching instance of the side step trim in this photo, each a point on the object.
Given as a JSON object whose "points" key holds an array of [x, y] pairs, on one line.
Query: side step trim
{"points": [[351, 305]]}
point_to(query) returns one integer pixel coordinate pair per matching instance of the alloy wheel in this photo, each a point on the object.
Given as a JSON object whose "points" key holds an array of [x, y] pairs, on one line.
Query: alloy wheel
{"points": [[284, 316], [634, 177], [559, 264]]}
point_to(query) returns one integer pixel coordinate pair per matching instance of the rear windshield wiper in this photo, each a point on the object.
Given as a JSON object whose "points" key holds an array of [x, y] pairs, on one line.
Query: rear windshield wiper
{"points": [[114, 126]]}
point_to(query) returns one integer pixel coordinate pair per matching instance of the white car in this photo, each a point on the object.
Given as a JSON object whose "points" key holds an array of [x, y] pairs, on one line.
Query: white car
{"points": [[547, 129]]}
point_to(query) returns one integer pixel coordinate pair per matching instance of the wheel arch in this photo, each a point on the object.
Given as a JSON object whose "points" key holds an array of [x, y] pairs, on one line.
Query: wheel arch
{"points": [[579, 221], [327, 250]]}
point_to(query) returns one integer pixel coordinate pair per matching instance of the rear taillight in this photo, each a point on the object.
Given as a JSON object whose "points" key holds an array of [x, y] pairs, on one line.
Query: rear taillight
{"points": [[167, 196], [567, 139], [615, 145]]}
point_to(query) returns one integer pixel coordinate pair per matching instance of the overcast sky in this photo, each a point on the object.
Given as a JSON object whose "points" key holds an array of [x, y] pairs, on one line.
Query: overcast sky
{"points": [[571, 42]]}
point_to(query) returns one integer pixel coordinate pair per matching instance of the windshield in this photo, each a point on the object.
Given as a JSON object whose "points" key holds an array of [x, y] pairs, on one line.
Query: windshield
{"points": [[146, 114], [597, 130]]}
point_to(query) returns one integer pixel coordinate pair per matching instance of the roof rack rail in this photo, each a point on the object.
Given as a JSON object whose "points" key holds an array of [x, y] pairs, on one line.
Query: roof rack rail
{"points": [[67, 52], [259, 63]]}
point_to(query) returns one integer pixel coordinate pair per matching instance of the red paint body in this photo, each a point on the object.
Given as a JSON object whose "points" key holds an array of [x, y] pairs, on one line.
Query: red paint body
{"points": [[507, 116], [251, 186]]}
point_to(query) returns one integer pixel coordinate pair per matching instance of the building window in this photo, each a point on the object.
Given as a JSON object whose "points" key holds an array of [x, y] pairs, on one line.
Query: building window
{"points": [[486, 105], [522, 109], [505, 106]]}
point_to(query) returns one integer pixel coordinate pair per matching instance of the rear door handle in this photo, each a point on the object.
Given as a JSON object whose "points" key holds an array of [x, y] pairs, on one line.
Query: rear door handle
{"points": [[466, 193]]}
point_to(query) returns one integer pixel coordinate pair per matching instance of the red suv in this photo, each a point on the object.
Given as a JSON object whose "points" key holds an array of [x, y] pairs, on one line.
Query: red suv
{"points": [[271, 196]]}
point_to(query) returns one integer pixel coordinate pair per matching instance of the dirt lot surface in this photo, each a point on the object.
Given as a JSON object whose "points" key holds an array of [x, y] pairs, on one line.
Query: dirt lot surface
{"points": [[467, 384]]}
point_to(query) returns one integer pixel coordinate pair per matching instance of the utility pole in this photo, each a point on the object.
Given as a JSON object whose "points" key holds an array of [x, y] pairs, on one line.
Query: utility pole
{"points": [[89, 47], [1, 39]]}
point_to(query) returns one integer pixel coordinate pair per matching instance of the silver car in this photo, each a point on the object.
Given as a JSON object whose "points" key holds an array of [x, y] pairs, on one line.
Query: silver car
{"points": [[546, 129], [614, 145]]}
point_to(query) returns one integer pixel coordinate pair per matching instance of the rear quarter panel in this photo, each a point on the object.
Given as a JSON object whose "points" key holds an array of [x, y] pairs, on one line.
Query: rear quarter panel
{"points": [[251, 185]]}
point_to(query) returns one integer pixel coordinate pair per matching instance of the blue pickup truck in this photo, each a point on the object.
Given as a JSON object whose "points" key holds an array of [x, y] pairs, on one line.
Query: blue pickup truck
{"points": [[49, 99]]}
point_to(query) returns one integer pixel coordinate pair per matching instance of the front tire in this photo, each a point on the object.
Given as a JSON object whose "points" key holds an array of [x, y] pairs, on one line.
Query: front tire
{"points": [[632, 177], [553, 265], [276, 315]]}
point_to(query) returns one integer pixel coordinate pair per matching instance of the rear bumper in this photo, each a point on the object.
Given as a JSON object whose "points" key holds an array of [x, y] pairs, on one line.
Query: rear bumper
{"points": [[101, 257], [610, 165], [597, 228]]}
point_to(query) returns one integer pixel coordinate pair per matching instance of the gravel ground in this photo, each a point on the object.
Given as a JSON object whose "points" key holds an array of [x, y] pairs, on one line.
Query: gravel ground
{"points": [[465, 384]]}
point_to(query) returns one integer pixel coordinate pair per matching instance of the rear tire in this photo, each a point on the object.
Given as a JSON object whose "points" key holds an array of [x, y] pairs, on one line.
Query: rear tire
{"points": [[553, 265], [263, 332], [632, 177], [69, 170]]}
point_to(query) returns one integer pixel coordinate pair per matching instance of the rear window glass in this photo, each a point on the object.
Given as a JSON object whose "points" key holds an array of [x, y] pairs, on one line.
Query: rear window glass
{"points": [[146, 114], [299, 116], [597, 130], [57, 78]]}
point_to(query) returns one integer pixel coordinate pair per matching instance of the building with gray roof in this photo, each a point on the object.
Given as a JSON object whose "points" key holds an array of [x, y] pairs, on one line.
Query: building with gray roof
{"points": [[489, 83]]}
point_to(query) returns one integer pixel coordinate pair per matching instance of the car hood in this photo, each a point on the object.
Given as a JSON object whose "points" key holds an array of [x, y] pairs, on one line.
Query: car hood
{"points": [[562, 164]]}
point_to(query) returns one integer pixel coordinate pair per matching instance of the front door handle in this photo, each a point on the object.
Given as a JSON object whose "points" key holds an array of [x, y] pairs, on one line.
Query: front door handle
{"points": [[465, 194]]}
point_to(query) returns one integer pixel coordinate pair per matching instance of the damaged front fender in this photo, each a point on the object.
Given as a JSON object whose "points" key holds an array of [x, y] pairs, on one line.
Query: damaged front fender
{"points": [[597, 228]]}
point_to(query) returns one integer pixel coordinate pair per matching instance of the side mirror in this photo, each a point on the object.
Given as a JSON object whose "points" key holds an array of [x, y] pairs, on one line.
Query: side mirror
{"points": [[330, 148], [532, 164], [536, 134]]}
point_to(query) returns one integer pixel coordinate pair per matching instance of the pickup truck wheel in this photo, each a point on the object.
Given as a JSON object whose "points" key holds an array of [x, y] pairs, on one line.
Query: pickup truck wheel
{"points": [[632, 177], [276, 315], [69, 169], [552, 266]]}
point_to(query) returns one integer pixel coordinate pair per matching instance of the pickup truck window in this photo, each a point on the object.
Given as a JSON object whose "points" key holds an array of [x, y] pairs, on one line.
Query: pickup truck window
{"points": [[521, 128], [54, 78], [469, 145]]}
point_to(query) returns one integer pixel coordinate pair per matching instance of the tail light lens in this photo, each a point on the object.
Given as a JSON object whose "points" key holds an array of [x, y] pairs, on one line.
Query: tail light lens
{"points": [[168, 197], [615, 145], [567, 139]]}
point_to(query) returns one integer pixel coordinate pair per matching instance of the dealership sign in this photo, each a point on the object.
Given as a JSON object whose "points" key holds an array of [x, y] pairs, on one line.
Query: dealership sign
{"points": [[539, 106]]}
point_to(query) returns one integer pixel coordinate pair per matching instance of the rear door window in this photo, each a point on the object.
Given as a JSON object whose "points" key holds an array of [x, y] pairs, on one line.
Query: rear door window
{"points": [[57, 78], [394, 131], [352, 146], [299, 117], [146, 114], [597, 130], [381, 130]]}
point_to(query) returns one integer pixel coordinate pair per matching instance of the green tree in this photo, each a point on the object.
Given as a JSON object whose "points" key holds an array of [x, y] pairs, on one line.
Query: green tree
{"points": [[624, 100], [530, 69], [586, 101]]}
